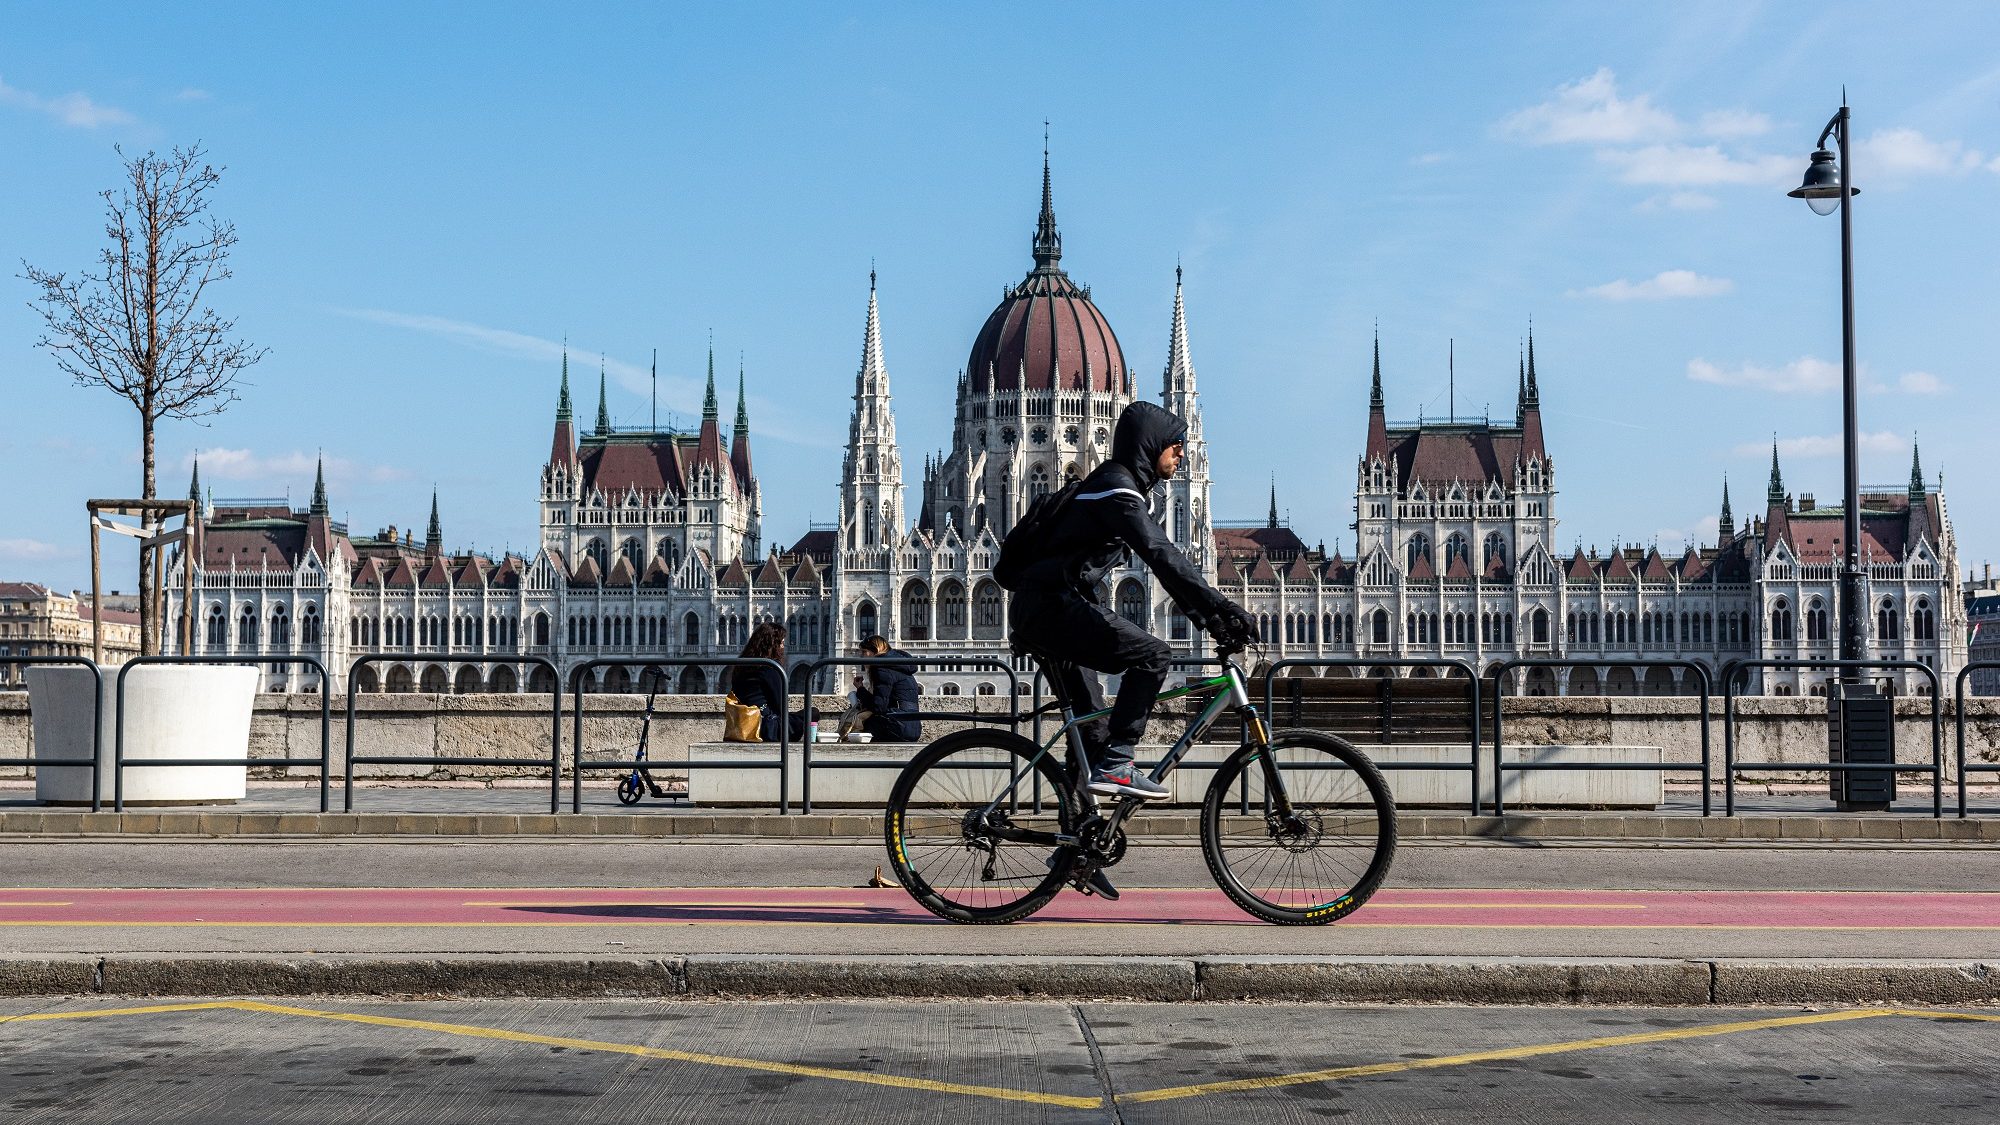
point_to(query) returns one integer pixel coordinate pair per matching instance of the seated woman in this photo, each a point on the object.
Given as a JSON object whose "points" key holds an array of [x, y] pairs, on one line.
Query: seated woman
{"points": [[891, 698], [758, 686]]}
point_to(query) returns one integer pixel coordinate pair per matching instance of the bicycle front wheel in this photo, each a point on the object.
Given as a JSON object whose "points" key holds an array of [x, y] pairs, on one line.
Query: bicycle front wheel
{"points": [[972, 827], [1317, 855]]}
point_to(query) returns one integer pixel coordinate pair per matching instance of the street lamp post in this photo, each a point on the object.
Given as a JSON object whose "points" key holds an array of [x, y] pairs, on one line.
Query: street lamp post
{"points": [[1826, 189], [1860, 719]]}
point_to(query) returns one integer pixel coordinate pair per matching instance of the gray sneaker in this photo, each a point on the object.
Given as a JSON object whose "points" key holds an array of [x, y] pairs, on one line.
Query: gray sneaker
{"points": [[1126, 781]]}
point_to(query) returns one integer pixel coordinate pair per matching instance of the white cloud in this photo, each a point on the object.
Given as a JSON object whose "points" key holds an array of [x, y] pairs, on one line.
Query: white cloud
{"points": [[249, 465], [1704, 531], [1920, 383], [1729, 123], [193, 94], [1905, 153], [1677, 165], [29, 549], [1806, 374], [1666, 285], [1827, 445], [675, 392], [1431, 158], [1589, 111], [75, 110]]}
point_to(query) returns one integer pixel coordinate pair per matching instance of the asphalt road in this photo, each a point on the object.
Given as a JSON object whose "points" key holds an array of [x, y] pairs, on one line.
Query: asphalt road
{"points": [[332, 1061]]}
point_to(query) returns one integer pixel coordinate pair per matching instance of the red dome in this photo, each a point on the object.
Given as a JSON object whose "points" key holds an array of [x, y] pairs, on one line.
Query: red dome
{"points": [[1046, 327]]}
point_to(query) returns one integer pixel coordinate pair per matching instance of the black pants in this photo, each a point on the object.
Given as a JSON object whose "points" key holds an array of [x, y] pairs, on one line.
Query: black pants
{"points": [[1090, 637]]}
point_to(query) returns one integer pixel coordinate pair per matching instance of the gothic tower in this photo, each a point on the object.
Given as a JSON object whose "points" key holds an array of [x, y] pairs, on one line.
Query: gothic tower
{"points": [[871, 476], [1187, 514]]}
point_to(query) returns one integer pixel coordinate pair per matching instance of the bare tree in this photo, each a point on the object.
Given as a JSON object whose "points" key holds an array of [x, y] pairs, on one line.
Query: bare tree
{"points": [[136, 324]]}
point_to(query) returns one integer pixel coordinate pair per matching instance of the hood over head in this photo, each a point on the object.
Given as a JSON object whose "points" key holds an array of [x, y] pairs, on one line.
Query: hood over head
{"points": [[909, 669], [1144, 430]]}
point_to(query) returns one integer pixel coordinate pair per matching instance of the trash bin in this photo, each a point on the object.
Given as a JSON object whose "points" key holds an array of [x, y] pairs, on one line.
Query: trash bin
{"points": [[1861, 730]]}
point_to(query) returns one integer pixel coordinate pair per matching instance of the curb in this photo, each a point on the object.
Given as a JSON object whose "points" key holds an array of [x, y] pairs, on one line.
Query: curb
{"points": [[1548, 981], [1513, 826]]}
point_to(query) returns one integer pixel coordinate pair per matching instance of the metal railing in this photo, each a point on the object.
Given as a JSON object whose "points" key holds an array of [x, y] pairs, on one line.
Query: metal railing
{"points": [[1737, 669], [1471, 676], [324, 761], [643, 663], [1501, 767], [1012, 716], [555, 723], [1958, 721], [96, 759]]}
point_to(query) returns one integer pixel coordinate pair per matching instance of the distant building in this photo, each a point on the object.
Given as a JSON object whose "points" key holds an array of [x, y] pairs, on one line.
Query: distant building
{"points": [[651, 544], [38, 621], [1982, 622]]}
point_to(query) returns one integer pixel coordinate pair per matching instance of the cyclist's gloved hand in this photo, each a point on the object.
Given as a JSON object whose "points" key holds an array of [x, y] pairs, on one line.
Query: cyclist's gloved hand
{"points": [[1232, 626]]}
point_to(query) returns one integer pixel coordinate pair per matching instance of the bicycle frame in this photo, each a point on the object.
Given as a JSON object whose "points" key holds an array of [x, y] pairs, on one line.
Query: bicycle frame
{"points": [[1232, 694]]}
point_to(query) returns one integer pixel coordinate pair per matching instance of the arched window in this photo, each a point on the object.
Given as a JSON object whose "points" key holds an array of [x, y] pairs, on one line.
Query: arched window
{"points": [[691, 630], [951, 610], [1815, 620], [1495, 550], [597, 552], [1180, 521], [1538, 626], [1923, 623], [281, 627], [1886, 624], [246, 627], [1177, 624], [634, 552], [217, 626], [1419, 547], [1038, 483], [1781, 621], [948, 689], [1380, 629], [916, 611], [868, 524], [986, 619], [309, 625], [865, 621], [1132, 604], [1455, 548]]}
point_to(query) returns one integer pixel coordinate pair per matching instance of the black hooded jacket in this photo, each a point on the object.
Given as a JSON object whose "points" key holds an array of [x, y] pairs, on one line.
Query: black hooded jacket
{"points": [[1109, 517]]}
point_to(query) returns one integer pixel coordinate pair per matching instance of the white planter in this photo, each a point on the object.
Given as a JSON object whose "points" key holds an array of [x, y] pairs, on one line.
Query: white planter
{"points": [[172, 711]]}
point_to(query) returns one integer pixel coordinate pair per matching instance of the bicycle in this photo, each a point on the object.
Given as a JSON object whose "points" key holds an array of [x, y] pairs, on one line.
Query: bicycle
{"points": [[985, 826]]}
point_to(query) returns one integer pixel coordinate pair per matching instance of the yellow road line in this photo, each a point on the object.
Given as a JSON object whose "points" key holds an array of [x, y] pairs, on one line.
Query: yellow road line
{"points": [[1335, 1074], [36, 1017], [833, 1073]]}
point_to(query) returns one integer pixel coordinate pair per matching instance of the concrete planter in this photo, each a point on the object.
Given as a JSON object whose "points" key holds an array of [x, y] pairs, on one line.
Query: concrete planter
{"points": [[171, 711]]}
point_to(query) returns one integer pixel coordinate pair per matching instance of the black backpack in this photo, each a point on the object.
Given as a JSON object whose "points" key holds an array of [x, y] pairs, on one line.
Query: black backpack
{"points": [[1027, 541]]}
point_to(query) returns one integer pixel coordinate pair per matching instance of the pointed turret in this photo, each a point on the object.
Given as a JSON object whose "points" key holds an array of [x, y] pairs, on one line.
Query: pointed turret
{"points": [[1520, 387], [1775, 494], [1179, 378], [1048, 241], [1378, 419], [319, 507], [1920, 528], [1531, 407], [603, 405], [434, 534], [1725, 527], [1188, 492], [708, 450], [1916, 472], [739, 441], [1272, 520], [194, 484], [871, 485], [1777, 508], [562, 450]]}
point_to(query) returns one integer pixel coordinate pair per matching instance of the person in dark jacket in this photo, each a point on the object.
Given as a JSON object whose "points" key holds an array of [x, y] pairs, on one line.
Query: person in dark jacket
{"points": [[891, 694], [760, 686], [1057, 610]]}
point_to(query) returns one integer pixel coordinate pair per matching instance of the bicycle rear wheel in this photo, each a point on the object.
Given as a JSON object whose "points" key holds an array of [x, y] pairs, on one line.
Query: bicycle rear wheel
{"points": [[966, 834], [1323, 860]]}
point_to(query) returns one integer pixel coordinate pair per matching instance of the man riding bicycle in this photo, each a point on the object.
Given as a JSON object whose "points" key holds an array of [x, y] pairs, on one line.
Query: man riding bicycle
{"points": [[1056, 608]]}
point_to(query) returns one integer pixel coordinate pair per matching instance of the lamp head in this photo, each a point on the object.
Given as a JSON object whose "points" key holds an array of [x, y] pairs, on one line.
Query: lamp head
{"points": [[1821, 187]]}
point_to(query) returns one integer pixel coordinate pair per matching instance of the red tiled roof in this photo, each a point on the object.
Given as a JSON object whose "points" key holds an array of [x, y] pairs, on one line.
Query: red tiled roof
{"points": [[769, 575], [1422, 570], [1257, 541], [435, 574], [622, 573], [1655, 567], [1459, 570], [733, 575], [657, 574], [401, 576], [1692, 568], [1579, 567], [587, 573], [649, 466], [1470, 452]]}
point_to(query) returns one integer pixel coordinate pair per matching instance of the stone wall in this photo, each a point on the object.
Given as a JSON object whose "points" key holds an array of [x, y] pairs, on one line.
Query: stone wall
{"points": [[517, 727]]}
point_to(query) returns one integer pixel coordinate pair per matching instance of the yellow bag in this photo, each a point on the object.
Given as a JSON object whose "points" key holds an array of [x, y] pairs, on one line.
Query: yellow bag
{"points": [[741, 722]]}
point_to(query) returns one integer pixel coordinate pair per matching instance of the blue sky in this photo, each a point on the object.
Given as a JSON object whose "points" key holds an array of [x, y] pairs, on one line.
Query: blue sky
{"points": [[430, 197]]}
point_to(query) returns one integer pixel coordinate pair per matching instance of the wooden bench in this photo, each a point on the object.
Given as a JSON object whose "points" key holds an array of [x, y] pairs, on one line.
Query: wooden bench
{"points": [[1376, 711]]}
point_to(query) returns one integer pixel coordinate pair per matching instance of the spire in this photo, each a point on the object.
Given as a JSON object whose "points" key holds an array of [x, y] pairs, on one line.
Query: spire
{"points": [[709, 410], [319, 507], [871, 342], [1048, 241], [1180, 366], [1776, 493], [1520, 387], [1534, 393], [1916, 471], [742, 402], [194, 483], [562, 404], [434, 535], [1725, 527], [603, 413], [1375, 387], [1273, 521]]}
